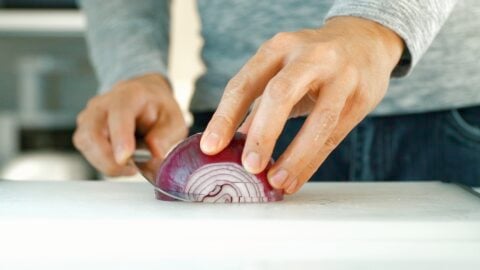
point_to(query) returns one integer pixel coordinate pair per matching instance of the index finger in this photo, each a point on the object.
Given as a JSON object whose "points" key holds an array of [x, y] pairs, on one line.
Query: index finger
{"points": [[239, 94], [121, 128], [91, 138]]}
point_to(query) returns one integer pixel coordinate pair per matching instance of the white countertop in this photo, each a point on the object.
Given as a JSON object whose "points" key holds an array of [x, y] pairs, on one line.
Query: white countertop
{"points": [[78, 225]]}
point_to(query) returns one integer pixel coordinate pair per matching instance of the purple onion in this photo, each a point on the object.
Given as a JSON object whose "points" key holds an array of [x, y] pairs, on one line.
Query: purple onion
{"points": [[188, 173]]}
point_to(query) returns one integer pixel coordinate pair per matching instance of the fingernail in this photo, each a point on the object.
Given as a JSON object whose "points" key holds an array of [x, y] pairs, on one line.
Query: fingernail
{"points": [[121, 155], [252, 162], [291, 188], [210, 142], [278, 178]]}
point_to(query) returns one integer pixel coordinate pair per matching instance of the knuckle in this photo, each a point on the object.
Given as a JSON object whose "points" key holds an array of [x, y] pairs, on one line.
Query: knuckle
{"points": [[328, 52], [93, 103], [83, 140], [80, 140], [236, 86], [128, 101], [263, 53], [351, 73], [222, 120], [266, 48], [284, 37], [281, 40], [331, 52], [134, 97], [312, 166], [303, 64], [364, 99], [332, 142], [80, 118], [279, 90]]}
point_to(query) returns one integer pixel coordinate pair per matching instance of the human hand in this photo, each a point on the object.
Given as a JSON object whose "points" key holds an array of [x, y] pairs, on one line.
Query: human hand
{"points": [[106, 128], [336, 75]]}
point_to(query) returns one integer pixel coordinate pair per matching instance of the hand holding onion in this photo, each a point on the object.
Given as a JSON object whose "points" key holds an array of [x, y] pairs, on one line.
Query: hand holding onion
{"points": [[106, 136], [336, 75], [106, 128]]}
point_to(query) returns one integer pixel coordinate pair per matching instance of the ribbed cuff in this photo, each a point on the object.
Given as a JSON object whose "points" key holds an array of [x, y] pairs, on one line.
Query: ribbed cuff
{"points": [[138, 66]]}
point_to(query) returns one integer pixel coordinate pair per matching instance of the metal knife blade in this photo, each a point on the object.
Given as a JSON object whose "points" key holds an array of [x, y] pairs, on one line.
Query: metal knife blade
{"points": [[148, 166]]}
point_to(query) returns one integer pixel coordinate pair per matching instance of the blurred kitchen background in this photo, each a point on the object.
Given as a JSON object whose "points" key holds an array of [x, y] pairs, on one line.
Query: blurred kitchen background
{"points": [[46, 79]]}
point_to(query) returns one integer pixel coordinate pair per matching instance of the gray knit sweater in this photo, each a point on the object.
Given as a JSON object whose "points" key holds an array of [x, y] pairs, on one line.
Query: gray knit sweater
{"points": [[442, 56]]}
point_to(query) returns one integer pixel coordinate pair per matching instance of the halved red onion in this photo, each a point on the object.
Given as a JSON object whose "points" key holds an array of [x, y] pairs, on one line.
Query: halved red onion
{"points": [[188, 173]]}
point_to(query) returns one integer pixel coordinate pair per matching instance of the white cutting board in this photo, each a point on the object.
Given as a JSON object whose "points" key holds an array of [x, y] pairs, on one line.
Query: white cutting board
{"points": [[333, 225]]}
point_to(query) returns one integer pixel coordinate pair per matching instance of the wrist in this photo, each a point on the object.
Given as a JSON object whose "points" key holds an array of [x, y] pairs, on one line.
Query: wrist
{"points": [[157, 80], [150, 81], [382, 41]]}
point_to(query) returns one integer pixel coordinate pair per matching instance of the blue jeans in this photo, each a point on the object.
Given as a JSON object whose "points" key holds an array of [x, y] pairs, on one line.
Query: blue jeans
{"points": [[442, 145]]}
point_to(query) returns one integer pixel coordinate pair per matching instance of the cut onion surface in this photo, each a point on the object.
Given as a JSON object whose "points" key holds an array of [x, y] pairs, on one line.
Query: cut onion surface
{"points": [[189, 173]]}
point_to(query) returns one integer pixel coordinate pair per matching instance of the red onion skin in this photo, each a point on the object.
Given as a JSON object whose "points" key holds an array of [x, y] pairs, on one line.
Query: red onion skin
{"points": [[187, 157]]}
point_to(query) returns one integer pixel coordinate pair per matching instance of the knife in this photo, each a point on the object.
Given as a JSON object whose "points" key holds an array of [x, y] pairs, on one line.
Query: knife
{"points": [[148, 166]]}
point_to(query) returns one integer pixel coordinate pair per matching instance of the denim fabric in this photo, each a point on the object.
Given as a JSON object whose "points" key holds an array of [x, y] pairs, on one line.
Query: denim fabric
{"points": [[443, 145]]}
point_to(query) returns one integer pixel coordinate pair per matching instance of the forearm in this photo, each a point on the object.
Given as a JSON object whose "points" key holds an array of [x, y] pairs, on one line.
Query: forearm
{"points": [[127, 39], [416, 22]]}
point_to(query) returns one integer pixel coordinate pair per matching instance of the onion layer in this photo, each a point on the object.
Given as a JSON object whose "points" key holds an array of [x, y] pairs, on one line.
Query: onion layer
{"points": [[190, 174]]}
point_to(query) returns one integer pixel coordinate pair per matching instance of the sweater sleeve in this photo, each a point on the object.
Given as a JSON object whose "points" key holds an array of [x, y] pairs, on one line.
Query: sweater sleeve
{"points": [[417, 22], [127, 38]]}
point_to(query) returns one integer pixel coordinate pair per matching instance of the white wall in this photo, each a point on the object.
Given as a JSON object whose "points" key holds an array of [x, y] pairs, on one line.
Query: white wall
{"points": [[185, 64]]}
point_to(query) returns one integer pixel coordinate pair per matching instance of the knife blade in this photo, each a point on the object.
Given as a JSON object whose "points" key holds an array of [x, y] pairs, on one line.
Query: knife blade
{"points": [[148, 166]]}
